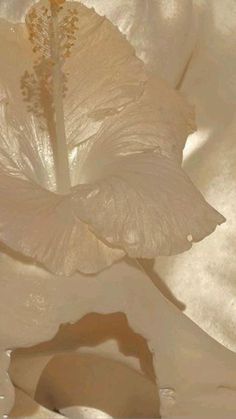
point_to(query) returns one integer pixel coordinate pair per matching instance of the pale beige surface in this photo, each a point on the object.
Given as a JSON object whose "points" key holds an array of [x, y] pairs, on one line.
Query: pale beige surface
{"points": [[26, 408], [86, 386], [204, 278], [97, 382], [195, 374]]}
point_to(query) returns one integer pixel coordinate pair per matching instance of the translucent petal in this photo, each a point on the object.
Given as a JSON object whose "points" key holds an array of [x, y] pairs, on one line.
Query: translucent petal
{"points": [[25, 149], [100, 84], [44, 226], [125, 138], [160, 121], [146, 205], [104, 76], [14, 10], [163, 32]]}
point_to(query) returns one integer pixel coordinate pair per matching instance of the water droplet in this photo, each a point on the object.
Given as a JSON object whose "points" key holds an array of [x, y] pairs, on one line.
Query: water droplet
{"points": [[2, 397], [93, 193], [131, 238], [167, 396], [190, 238], [157, 150]]}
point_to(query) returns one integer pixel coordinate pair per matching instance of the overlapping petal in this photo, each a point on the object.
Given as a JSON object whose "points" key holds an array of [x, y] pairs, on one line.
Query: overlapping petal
{"points": [[45, 227], [104, 75], [146, 205], [157, 29], [125, 136]]}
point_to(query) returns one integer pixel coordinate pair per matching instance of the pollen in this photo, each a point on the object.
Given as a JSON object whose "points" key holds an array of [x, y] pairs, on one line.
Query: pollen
{"points": [[37, 22], [36, 87], [57, 3], [68, 29]]}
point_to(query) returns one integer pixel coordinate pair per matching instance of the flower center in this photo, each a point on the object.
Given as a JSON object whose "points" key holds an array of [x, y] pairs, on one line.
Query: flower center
{"points": [[52, 35]]}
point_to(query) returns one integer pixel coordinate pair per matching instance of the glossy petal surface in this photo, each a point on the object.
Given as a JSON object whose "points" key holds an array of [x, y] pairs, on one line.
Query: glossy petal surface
{"points": [[162, 32], [125, 135], [147, 206]]}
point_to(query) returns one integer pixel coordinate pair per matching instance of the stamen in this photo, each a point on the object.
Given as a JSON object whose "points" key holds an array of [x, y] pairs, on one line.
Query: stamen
{"points": [[52, 35]]}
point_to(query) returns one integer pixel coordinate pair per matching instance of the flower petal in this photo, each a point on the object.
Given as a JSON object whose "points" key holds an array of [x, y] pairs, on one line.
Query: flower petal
{"points": [[160, 121], [138, 201], [146, 205], [104, 75], [157, 29], [14, 10], [25, 149], [43, 226]]}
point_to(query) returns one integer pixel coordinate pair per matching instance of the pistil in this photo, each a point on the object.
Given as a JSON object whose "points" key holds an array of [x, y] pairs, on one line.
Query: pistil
{"points": [[61, 149], [52, 32]]}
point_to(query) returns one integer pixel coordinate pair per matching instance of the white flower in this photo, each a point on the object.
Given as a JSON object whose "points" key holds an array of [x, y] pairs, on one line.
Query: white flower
{"points": [[125, 134]]}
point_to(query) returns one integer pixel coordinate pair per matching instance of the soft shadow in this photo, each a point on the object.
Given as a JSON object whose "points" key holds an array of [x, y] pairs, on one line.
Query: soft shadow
{"points": [[72, 378], [95, 329], [88, 380], [148, 267]]}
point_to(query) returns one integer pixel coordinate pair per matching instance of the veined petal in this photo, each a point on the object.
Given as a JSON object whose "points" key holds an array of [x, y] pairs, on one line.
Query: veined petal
{"points": [[163, 32], [44, 226], [125, 136], [103, 74], [146, 205], [25, 149], [160, 120]]}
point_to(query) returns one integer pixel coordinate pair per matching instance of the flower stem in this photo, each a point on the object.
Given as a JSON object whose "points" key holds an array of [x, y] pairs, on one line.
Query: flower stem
{"points": [[61, 149]]}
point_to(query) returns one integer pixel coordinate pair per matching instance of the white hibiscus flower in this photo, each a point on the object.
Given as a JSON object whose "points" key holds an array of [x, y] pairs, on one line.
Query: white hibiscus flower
{"points": [[124, 191]]}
